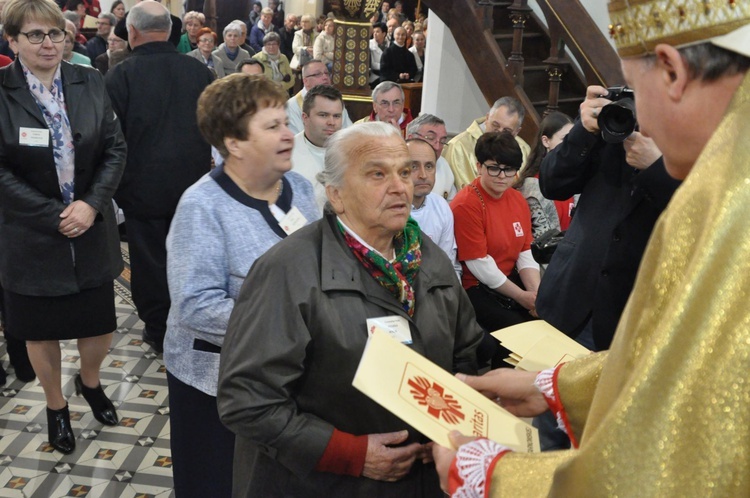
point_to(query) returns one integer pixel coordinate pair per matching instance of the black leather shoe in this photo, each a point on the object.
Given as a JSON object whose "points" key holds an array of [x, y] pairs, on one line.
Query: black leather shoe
{"points": [[60, 432], [103, 409], [153, 341]]}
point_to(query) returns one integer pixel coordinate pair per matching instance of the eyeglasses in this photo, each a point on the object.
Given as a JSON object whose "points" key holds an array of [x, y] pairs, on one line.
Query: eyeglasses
{"points": [[395, 103], [495, 170], [432, 138], [315, 75], [205, 40], [36, 36]]}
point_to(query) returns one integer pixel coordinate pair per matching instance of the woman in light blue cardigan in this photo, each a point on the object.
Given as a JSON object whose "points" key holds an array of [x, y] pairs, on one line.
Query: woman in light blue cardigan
{"points": [[223, 223]]}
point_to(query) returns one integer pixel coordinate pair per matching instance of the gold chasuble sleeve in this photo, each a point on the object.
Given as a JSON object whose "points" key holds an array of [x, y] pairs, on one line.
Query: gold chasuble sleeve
{"points": [[576, 383], [670, 415]]}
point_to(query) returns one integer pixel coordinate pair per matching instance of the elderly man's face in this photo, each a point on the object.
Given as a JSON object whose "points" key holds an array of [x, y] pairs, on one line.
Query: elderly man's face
{"points": [[316, 73], [325, 119], [103, 27], [434, 134], [423, 160], [290, 22], [502, 119], [375, 197], [392, 23], [389, 105], [114, 42]]}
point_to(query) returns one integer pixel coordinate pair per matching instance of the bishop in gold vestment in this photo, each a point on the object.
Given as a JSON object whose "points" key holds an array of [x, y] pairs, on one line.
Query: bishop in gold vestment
{"points": [[666, 412]]}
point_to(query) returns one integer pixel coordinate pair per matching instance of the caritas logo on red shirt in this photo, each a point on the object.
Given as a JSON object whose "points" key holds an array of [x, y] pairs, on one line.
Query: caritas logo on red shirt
{"points": [[518, 229]]}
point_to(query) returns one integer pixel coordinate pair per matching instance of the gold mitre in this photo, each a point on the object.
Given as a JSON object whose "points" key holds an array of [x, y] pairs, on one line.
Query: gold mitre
{"points": [[637, 26]]}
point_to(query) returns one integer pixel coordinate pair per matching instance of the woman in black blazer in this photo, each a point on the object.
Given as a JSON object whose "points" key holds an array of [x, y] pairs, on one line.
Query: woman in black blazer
{"points": [[61, 158]]}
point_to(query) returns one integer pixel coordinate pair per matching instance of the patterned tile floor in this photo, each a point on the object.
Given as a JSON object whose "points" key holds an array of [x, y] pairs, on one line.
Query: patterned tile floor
{"points": [[129, 460]]}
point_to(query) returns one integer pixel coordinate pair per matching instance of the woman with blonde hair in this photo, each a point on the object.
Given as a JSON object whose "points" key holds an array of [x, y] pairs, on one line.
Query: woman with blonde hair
{"points": [[193, 22]]}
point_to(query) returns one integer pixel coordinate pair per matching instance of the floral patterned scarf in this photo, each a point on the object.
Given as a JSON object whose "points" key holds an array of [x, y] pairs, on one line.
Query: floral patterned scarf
{"points": [[397, 277], [52, 104]]}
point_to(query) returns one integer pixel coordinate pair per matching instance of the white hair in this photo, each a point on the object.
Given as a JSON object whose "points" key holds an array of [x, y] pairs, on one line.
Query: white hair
{"points": [[338, 147]]}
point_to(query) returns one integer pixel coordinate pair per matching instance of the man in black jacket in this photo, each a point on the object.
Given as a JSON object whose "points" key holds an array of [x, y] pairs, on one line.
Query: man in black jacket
{"points": [[624, 188], [154, 93]]}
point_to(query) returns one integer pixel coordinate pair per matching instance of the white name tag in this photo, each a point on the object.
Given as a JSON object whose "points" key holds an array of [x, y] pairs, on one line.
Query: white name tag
{"points": [[33, 137], [293, 221], [395, 326]]}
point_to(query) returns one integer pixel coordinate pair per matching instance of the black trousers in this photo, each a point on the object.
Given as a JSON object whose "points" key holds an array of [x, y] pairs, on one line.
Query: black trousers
{"points": [[147, 239], [202, 448], [491, 316]]}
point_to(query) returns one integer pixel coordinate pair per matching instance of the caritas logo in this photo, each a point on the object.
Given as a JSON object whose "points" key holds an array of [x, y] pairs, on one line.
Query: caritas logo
{"points": [[438, 403]]}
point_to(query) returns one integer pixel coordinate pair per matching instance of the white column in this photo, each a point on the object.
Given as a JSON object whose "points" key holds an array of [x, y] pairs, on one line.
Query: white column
{"points": [[450, 91]]}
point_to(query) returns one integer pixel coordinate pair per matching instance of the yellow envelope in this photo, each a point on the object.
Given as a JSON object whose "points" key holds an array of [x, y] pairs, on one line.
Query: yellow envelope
{"points": [[537, 345], [432, 400], [89, 22]]}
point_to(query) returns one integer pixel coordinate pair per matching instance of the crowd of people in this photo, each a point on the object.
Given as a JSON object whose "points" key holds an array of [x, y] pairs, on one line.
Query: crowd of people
{"points": [[266, 230]]}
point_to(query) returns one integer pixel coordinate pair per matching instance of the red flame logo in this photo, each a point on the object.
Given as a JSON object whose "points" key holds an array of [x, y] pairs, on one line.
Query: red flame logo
{"points": [[438, 403]]}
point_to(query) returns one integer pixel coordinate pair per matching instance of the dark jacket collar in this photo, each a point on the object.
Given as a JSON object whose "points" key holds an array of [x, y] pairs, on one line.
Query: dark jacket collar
{"points": [[155, 48]]}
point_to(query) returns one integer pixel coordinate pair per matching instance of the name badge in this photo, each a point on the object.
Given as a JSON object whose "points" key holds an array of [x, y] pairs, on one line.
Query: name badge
{"points": [[395, 326], [293, 221], [33, 137]]}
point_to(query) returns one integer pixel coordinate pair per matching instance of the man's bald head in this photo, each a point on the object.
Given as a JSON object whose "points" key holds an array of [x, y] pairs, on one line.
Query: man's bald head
{"points": [[148, 21]]}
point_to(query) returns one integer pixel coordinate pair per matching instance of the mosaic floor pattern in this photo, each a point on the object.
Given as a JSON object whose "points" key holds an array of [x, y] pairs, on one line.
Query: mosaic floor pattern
{"points": [[129, 460]]}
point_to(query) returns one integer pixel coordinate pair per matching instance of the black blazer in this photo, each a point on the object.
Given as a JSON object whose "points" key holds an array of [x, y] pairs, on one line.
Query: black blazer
{"points": [[155, 92], [594, 267], [35, 259]]}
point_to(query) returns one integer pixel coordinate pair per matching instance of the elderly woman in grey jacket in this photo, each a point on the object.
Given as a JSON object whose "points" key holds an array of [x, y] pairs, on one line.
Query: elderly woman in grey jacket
{"points": [[205, 52], [223, 223], [300, 325], [230, 53]]}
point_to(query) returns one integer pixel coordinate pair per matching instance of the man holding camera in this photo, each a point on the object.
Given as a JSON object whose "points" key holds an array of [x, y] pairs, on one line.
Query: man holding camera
{"points": [[624, 188]]}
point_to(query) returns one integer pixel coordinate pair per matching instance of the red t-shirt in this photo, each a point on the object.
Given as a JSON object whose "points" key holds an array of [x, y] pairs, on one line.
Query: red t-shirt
{"points": [[502, 230]]}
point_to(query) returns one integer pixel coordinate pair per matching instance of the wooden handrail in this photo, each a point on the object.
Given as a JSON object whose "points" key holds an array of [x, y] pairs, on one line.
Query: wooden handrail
{"points": [[471, 26], [568, 20], [570, 27]]}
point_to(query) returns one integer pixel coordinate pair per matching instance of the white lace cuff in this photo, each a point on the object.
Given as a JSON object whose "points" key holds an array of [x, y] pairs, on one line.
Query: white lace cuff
{"points": [[472, 461], [545, 382]]}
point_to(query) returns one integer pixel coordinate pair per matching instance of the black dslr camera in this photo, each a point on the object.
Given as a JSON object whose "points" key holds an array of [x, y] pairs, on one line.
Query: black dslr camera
{"points": [[617, 120]]}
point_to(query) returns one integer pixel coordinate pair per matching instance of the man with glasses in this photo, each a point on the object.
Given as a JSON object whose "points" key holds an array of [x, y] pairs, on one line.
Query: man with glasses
{"points": [[431, 129], [116, 52], [97, 45], [314, 73], [506, 114], [431, 212], [388, 106], [493, 233]]}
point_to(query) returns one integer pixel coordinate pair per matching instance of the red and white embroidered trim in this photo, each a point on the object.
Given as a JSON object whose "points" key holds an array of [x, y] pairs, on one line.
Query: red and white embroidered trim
{"points": [[472, 462], [545, 382]]}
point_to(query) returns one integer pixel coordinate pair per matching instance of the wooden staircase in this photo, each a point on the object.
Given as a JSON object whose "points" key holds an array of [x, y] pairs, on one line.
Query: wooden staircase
{"points": [[512, 52]]}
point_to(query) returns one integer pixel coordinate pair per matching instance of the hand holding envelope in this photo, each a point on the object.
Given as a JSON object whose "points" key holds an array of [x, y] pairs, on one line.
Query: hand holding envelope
{"points": [[514, 390]]}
